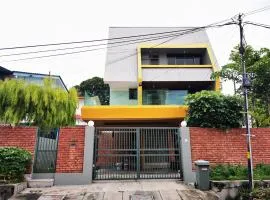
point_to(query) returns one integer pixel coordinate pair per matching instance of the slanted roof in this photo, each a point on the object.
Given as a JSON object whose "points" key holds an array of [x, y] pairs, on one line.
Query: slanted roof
{"points": [[4, 71], [42, 76]]}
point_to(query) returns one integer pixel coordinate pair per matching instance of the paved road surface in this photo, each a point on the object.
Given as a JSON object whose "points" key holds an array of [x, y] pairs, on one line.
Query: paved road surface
{"points": [[118, 190]]}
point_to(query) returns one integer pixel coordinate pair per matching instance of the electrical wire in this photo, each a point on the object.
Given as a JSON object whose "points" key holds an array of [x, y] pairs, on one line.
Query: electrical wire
{"points": [[88, 50], [86, 46], [136, 41], [87, 41], [252, 12], [187, 32], [258, 24]]}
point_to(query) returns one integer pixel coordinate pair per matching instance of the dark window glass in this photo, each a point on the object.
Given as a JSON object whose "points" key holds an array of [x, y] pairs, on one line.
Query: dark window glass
{"points": [[150, 59], [179, 59], [133, 93]]}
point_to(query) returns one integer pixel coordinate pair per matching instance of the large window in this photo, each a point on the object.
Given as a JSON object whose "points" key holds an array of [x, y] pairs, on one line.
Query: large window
{"points": [[180, 59]]}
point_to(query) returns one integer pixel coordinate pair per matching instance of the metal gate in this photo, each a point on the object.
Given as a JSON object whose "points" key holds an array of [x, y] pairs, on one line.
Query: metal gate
{"points": [[137, 153], [46, 151]]}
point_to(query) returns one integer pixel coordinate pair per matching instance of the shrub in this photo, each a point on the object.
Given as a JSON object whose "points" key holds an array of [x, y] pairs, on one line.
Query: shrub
{"points": [[214, 110], [261, 193], [261, 172], [239, 172], [14, 162], [228, 172]]}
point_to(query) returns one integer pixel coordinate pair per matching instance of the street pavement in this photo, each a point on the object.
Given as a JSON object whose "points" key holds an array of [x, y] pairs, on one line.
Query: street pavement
{"points": [[118, 190]]}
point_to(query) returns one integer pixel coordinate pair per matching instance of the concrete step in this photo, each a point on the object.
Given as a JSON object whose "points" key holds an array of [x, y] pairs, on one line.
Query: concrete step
{"points": [[40, 183]]}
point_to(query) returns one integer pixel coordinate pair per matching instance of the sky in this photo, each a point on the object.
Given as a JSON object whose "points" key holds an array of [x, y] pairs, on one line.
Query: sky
{"points": [[31, 22]]}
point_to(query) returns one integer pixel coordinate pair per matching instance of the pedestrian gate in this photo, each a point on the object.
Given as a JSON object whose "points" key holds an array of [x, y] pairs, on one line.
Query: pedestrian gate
{"points": [[137, 153], [46, 151]]}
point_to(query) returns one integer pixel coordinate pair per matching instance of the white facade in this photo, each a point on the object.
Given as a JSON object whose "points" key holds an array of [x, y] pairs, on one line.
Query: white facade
{"points": [[121, 71]]}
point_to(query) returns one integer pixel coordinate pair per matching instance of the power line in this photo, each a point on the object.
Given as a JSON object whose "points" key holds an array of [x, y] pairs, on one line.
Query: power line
{"points": [[258, 24], [85, 46], [75, 52], [252, 12], [136, 41], [187, 32], [88, 41]]}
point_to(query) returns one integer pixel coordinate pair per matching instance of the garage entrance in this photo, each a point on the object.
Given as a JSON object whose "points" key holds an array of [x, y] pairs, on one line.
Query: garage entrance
{"points": [[137, 153]]}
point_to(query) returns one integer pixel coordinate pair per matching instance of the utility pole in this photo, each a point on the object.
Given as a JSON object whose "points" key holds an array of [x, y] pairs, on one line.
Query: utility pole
{"points": [[246, 85]]}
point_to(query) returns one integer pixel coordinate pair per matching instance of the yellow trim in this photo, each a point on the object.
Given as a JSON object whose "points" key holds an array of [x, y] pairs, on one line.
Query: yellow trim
{"points": [[129, 112], [154, 45], [174, 46], [139, 89], [176, 66]]}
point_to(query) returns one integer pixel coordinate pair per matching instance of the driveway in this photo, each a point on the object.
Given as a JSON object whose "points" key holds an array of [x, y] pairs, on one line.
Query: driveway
{"points": [[118, 190]]}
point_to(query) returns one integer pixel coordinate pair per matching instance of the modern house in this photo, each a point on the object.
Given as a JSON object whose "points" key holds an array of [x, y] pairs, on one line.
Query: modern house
{"points": [[30, 77], [149, 79]]}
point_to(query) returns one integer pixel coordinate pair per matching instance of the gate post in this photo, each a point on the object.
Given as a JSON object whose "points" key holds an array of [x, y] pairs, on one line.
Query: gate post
{"points": [[189, 175], [138, 152]]}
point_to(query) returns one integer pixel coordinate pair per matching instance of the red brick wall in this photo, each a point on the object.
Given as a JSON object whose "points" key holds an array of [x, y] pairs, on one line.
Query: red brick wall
{"points": [[219, 146], [20, 136], [70, 150]]}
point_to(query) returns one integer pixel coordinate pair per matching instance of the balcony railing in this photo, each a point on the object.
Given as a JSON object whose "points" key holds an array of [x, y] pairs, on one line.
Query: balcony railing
{"points": [[164, 97], [149, 97]]}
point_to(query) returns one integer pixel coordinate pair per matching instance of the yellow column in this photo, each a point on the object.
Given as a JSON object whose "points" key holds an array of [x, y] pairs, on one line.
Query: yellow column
{"points": [[217, 85], [139, 89]]}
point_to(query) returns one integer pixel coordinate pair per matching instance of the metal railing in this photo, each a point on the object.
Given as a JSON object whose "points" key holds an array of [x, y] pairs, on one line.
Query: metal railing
{"points": [[46, 151], [164, 97], [137, 153]]}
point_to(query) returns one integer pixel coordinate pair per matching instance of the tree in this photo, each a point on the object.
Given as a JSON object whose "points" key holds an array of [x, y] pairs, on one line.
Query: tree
{"points": [[213, 109], [95, 87], [258, 68], [44, 106]]}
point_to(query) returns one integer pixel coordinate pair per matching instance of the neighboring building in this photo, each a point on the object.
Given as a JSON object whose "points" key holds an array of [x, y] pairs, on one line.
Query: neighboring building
{"points": [[149, 80], [79, 120], [5, 73], [30, 77]]}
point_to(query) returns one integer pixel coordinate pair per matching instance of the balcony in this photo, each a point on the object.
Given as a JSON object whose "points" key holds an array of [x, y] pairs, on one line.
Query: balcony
{"points": [[164, 97]]}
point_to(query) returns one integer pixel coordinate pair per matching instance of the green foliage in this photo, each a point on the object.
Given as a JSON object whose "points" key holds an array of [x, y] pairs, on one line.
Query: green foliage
{"points": [[214, 110], [14, 162], [239, 172], [229, 172], [95, 87], [261, 193], [44, 106], [262, 172], [258, 64]]}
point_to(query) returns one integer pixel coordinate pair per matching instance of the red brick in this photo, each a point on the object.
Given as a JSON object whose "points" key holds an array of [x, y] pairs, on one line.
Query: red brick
{"points": [[70, 150], [218, 146]]}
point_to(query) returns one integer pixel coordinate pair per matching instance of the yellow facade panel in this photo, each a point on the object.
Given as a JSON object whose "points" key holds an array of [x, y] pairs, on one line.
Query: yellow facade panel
{"points": [[129, 112]]}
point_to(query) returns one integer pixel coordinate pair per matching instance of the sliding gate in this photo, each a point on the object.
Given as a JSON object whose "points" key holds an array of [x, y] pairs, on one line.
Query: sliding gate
{"points": [[137, 153]]}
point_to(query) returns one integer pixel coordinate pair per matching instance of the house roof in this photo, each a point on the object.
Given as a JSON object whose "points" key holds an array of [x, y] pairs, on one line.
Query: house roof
{"points": [[43, 75], [4, 71]]}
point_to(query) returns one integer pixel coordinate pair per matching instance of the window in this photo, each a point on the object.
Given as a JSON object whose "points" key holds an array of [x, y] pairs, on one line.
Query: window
{"points": [[133, 93], [150, 59], [179, 59]]}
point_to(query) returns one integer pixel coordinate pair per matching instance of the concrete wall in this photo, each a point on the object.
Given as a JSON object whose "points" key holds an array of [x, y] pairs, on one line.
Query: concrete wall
{"points": [[180, 74]]}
